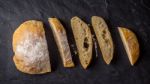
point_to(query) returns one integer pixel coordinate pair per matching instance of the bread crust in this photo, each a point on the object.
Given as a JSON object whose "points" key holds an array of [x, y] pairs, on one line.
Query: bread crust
{"points": [[60, 36], [83, 39], [130, 43], [32, 33], [104, 38]]}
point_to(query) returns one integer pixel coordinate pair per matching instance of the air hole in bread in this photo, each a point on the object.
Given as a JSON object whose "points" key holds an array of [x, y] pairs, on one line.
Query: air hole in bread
{"points": [[100, 23], [81, 24], [86, 45], [106, 40], [86, 62], [103, 34], [104, 31]]}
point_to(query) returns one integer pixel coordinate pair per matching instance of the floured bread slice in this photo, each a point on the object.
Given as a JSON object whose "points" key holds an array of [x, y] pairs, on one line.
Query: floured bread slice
{"points": [[62, 42], [104, 38], [30, 48], [130, 43], [83, 38]]}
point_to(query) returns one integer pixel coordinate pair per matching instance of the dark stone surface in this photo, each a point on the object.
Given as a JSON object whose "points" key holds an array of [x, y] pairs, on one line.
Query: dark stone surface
{"points": [[134, 14]]}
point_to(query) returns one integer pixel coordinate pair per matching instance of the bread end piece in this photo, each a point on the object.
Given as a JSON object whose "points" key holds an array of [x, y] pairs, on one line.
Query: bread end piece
{"points": [[130, 43], [28, 33]]}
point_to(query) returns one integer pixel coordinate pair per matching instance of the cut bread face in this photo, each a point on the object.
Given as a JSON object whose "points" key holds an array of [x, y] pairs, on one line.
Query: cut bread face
{"points": [[83, 39], [130, 43], [104, 38], [30, 48], [60, 36]]}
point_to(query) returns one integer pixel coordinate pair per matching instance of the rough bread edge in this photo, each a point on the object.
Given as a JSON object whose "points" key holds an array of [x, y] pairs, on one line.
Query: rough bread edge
{"points": [[90, 53], [93, 19], [53, 23]]}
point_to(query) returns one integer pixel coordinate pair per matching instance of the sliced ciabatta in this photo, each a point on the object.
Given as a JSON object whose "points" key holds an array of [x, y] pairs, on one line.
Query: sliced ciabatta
{"points": [[60, 36], [83, 39], [104, 38], [30, 48], [130, 43]]}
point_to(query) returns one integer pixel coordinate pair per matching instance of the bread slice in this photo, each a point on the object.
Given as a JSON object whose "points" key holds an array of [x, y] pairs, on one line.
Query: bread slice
{"points": [[130, 43], [83, 38], [59, 33], [104, 38], [30, 48]]}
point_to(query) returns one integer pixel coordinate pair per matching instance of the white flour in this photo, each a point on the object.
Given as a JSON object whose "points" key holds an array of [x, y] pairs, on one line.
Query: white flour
{"points": [[33, 49]]}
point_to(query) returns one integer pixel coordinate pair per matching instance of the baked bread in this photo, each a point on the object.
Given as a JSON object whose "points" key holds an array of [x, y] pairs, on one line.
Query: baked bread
{"points": [[30, 48], [130, 43], [60, 36], [104, 38], [83, 39]]}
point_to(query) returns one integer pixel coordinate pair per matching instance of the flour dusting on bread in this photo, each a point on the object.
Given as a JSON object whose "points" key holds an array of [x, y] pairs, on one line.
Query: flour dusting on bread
{"points": [[32, 49]]}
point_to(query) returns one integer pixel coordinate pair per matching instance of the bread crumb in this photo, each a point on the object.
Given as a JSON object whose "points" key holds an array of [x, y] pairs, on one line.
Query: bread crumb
{"points": [[74, 50], [95, 46]]}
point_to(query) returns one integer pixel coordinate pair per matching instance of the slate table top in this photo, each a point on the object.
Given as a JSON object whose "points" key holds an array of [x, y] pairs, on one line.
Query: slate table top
{"points": [[133, 14]]}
